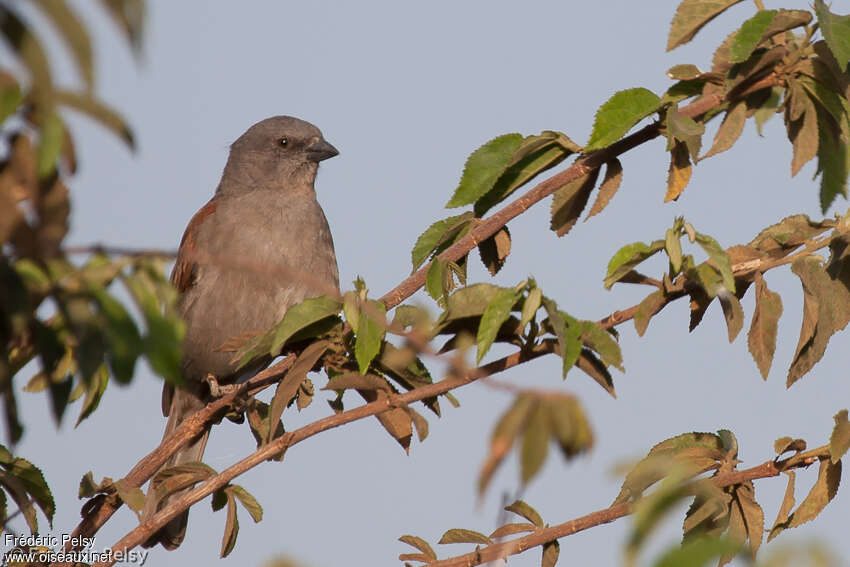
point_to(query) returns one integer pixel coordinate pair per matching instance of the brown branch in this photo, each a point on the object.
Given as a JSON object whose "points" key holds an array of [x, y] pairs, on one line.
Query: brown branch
{"points": [[585, 164], [543, 536]]}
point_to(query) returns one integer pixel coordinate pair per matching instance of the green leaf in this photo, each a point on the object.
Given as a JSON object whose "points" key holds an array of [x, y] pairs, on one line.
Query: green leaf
{"points": [[535, 443], [483, 168], [98, 111], [525, 510], [370, 333], [619, 114], [720, 259], [673, 246], [435, 279], [530, 306], [836, 32], [839, 441], [52, 134], [761, 338], [833, 165], [568, 332], [697, 553], [495, 315], [131, 495], [300, 316], [768, 109], [434, 235], [569, 424], [125, 342], [750, 35], [74, 34], [464, 536], [32, 480], [248, 501], [685, 130], [94, 390], [691, 16], [651, 304], [600, 340], [628, 257], [10, 100], [683, 72]]}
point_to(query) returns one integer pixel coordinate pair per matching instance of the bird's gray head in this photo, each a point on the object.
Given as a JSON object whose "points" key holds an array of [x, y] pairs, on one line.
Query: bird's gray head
{"points": [[281, 152]]}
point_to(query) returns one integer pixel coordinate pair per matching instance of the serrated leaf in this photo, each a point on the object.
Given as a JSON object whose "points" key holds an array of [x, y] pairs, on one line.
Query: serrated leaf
{"points": [[512, 529], [483, 168], [785, 509], [457, 535], [651, 304], [429, 240], [551, 551], [619, 114], [839, 440], [535, 443], [569, 201], [836, 32], [750, 34], [495, 249], [419, 544], [628, 257], [821, 494], [435, 279], [608, 188], [679, 172], [600, 340], [494, 316], [691, 16], [372, 328], [525, 510], [730, 129], [33, 483], [761, 338], [833, 164], [719, 258], [785, 444]]}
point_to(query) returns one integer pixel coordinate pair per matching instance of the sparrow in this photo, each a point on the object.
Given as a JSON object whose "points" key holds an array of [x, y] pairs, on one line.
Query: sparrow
{"points": [[259, 246]]}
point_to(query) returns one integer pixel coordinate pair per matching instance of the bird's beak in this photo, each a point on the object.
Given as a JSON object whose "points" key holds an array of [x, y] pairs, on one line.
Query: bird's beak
{"points": [[321, 150]]}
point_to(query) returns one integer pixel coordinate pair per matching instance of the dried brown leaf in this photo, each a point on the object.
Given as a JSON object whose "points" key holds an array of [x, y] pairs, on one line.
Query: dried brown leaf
{"points": [[610, 183], [730, 129], [785, 509], [569, 201], [761, 338], [824, 490], [679, 172]]}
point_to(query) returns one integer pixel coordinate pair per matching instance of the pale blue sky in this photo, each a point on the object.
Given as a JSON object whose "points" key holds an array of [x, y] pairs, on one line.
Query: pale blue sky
{"points": [[406, 91]]}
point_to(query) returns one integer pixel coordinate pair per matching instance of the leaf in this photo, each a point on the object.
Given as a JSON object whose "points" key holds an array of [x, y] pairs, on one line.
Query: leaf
{"points": [[50, 144], [753, 516], [821, 494], [429, 240], [525, 510], [435, 279], [628, 257], [568, 332], [512, 529], [730, 129], [231, 528], [833, 165], [419, 544], [750, 35], [125, 342], [733, 313], [839, 441], [94, 390], [836, 32], [685, 72], [684, 129], [569, 425], [248, 501], [131, 495], [495, 250], [826, 310], [98, 111], [495, 315], [719, 258], [673, 246], [287, 388], [355, 381], [419, 422], [610, 183], [10, 100], [691, 16], [26, 45], [503, 436], [696, 553], [651, 304], [535, 443], [483, 168], [535, 155], [551, 551], [768, 109], [785, 509], [802, 131], [530, 306], [679, 172], [619, 114], [600, 340], [569, 201], [32, 480], [299, 316], [464, 536], [371, 330], [761, 338], [74, 34], [785, 444]]}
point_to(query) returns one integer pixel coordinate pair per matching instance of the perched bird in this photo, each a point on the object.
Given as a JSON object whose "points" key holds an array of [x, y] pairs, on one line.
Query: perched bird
{"points": [[260, 245]]}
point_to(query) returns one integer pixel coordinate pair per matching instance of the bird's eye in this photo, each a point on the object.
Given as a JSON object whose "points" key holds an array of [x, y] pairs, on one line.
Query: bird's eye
{"points": [[283, 142]]}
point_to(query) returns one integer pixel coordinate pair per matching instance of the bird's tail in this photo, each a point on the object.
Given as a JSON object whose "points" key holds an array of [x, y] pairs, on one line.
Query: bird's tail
{"points": [[184, 403]]}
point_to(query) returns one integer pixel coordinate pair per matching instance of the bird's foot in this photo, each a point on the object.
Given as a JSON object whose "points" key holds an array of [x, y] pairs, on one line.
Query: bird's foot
{"points": [[218, 390]]}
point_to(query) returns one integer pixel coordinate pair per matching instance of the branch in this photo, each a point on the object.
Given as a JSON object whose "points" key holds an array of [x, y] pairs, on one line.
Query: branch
{"points": [[117, 251], [543, 536]]}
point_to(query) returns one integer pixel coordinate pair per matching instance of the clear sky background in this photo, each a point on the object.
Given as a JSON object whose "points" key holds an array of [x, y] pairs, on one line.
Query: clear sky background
{"points": [[406, 91]]}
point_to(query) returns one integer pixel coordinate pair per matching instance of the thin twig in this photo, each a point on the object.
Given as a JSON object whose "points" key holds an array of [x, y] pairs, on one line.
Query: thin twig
{"points": [[117, 251]]}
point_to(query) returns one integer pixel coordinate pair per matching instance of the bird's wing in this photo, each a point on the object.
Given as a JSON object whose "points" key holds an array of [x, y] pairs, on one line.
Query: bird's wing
{"points": [[184, 274]]}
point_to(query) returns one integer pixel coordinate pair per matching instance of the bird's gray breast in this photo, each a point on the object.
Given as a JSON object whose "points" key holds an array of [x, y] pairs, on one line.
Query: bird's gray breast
{"points": [[262, 254]]}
